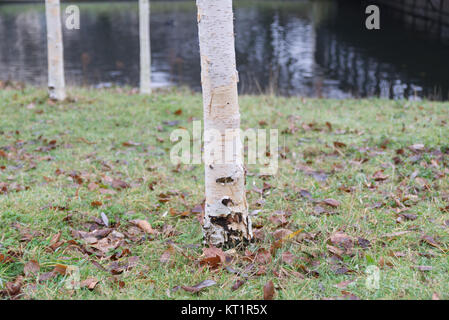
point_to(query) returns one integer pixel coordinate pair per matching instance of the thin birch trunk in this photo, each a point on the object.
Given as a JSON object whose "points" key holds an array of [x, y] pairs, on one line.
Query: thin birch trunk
{"points": [[56, 82], [145, 46], [226, 220]]}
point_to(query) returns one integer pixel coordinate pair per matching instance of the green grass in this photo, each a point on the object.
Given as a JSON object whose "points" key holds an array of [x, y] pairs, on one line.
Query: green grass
{"points": [[89, 132]]}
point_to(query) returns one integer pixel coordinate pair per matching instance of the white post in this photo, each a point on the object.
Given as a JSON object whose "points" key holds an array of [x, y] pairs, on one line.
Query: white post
{"points": [[145, 46], [56, 82]]}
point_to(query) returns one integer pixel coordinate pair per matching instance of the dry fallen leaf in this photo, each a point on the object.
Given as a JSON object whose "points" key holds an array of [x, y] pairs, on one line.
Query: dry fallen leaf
{"points": [[213, 257], [268, 291], [200, 286], [422, 268], [144, 225], [130, 144], [391, 236], [238, 284], [263, 256], [281, 233], [5, 259], [167, 255], [47, 276], [96, 203], [31, 268], [288, 257], [92, 186], [430, 240], [60, 268], [332, 202], [89, 283]]}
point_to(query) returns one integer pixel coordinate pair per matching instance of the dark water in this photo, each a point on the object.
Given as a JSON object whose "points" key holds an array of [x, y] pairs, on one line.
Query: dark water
{"points": [[307, 48]]}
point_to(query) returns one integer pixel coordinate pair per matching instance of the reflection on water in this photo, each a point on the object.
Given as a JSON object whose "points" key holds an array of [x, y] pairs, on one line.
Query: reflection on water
{"points": [[304, 47]]}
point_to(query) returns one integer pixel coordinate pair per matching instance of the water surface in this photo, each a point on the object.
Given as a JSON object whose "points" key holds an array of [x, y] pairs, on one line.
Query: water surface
{"points": [[301, 48]]}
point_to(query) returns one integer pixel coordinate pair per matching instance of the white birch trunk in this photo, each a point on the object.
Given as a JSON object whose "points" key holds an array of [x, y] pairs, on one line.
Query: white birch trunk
{"points": [[226, 220], [145, 47], [56, 82]]}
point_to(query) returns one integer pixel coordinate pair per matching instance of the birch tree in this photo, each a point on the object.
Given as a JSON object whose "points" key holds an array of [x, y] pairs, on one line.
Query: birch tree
{"points": [[226, 221], [56, 82], [145, 47]]}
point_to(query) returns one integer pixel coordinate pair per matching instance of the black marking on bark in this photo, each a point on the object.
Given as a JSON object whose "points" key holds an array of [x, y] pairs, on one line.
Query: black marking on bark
{"points": [[227, 201], [225, 180], [224, 222]]}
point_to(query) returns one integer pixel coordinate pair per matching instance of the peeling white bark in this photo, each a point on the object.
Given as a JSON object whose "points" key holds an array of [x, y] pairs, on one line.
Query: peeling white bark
{"points": [[56, 82], [226, 220], [145, 46]]}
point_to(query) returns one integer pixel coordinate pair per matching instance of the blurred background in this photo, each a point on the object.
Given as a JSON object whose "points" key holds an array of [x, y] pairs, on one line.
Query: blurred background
{"points": [[314, 48]]}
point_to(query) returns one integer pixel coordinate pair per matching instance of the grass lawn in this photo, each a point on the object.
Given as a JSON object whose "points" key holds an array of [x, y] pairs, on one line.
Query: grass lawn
{"points": [[366, 180]]}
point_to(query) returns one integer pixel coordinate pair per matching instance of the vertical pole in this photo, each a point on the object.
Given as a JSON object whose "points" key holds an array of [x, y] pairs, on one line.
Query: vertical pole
{"points": [[145, 46], [56, 81]]}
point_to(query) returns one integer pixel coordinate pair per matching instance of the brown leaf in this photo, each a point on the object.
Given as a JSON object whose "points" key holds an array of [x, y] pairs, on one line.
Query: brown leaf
{"points": [[213, 257], [318, 210], [32, 267], [268, 291], [60, 268], [130, 144], [422, 268], [332, 202], [92, 186], [263, 256], [144, 225], [108, 191], [167, 255], [349, 296], [279, 219], [116, 268], [200, 286], [119, 184], [89, 283], [96, 203], [391, 236], [288, 257], [363, 243], [13, 288], [338, 144], [379, 176], [238, 284], [5, 259], [334, 250], [47, 276], [417, 147], [341, 239], [429, 240], [199, 208], [281, 233], [54, 242]]}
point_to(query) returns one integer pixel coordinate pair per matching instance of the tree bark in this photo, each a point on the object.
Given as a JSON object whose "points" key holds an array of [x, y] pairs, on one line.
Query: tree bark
{"points": [[145, 46], [226, 221], [56, 82]]}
